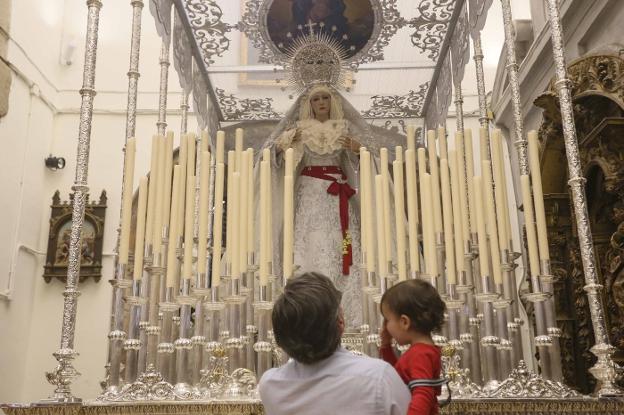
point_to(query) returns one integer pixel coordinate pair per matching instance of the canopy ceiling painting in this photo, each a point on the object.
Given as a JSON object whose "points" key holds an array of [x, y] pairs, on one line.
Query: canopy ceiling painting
{"points": [[402, 56]]}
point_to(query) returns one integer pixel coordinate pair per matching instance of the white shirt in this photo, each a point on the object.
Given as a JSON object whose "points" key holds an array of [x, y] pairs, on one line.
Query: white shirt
{"points": [[341, 384]]}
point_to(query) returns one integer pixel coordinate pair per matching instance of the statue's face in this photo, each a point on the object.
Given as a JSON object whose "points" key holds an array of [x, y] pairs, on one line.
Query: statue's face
{"points": [[321, 103]]}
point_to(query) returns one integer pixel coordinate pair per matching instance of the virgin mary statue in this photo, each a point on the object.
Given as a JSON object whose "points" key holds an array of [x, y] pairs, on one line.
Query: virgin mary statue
{"points": [[325, 133]]}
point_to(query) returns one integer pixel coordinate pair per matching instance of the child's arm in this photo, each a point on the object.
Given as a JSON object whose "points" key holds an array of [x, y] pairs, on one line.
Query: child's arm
{"points": [[424, 398]]}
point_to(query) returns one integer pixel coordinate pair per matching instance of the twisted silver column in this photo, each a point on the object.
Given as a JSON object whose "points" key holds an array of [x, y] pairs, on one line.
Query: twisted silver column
{"points": [[605, 369], [162, 95], [63, 374]]}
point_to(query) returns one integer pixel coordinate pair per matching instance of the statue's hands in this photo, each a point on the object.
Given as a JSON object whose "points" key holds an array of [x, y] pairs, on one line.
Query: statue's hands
{"points": [[349, 143]]}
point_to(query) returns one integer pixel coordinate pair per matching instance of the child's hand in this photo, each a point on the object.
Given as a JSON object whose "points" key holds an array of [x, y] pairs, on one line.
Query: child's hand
{"points": [[384, 334]]}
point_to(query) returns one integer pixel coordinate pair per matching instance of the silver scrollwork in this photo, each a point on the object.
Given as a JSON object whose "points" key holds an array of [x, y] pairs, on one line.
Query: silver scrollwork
{"points": [[209, 30], [398, 106], [245, 109]]}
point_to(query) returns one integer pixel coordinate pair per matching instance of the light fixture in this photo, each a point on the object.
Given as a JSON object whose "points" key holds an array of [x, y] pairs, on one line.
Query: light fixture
{"points": [[55, 163]]}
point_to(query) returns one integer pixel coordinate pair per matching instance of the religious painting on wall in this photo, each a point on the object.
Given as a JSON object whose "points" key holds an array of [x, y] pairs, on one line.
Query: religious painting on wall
{"points": [[349, 22], [57, 256]]}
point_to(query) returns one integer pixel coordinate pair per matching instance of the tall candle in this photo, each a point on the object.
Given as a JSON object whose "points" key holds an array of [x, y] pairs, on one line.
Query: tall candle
{"points": [[382, 264], [202, 231], [412, 210], [190, 159], [220, 146], [483, 144], [160, 199], [151, 198], [447, 206], [187, 271], [289, 162], [469, 154], [529, 225], [288, 226], [430, 243], [462, 188], [234, 223], [182, 161], [168, 177], [264, 216], [491, 222], [171, 249], [217, 227], [363, 206], [411, 137], [442, 143], [238, 146], [229, 247], [422, 162], [205, 142], [399, 218], [266, 156], [366, 181], [484, 263], [385, 195], [250, 202], [422, 171], [505, 195], [499, 184], [242, 217], [538, 196], [398, 151], [458, 225], [435, 182], [139, 241], [126, 203]]}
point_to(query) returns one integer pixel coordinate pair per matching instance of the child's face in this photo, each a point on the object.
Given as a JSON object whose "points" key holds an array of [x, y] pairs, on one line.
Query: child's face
{"points": [[397, 326]]}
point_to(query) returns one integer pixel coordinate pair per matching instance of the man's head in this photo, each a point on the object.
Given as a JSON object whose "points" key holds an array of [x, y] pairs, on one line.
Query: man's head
{"points": [[307, 318]]}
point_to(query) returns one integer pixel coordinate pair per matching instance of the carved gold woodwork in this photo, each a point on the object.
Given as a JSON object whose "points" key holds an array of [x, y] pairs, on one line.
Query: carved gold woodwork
{"points": [[597, 84]]}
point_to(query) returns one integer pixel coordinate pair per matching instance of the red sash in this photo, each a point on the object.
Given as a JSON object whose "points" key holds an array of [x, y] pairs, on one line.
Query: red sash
{"points": [[339, 188]]}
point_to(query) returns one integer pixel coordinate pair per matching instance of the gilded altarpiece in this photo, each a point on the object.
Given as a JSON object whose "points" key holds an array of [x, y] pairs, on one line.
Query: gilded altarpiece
{"points": [[597, 84]]}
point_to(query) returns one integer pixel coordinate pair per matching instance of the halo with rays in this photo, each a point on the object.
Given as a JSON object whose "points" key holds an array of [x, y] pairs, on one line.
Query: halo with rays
{"points": [[317, 57]]}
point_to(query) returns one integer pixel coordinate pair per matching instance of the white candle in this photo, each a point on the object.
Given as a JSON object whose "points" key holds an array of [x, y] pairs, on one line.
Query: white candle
{"points": [[182, 161], [412, 209], [538, 196], [457, 213], [151, 198], [238, 146], [469, 154], [442, 143], [381, 233], [499, 184], [242, 217], [529, 225], [399, 218], [234, 223], [187, 271], [398, 154], [266, 156], [217, 227], [264, 216], [229, 247], [367, 203], [250, 202], [220, 146], [160, 199], [431, 260], [126, 203], [190, 159], [491, 222], [288, 226], [435, 182], [205, 142], [411, 137], [139, 241], [447, 206], [363, 207], [168, 175], [484, 263], [289, 162], [483, 144], [385, 195], [202, 231], [171, 249], [462, 190]]}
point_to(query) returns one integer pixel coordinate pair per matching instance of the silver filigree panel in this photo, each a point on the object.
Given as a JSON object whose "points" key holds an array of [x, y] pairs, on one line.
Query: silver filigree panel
{"points": [[209, 30], [460, 46], [246, 109], [431, 26], [409, 105]]}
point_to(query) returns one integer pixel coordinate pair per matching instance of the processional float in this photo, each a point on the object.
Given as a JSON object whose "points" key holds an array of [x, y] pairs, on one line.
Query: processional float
{"points": [[188, 327]]}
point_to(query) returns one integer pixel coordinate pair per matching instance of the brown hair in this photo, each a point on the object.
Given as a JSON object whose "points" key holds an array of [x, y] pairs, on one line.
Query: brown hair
{"points": [[418, 300], [305, 318]]}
